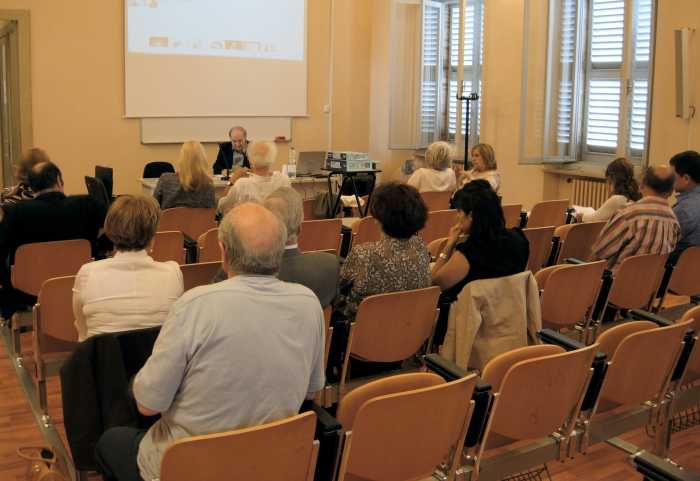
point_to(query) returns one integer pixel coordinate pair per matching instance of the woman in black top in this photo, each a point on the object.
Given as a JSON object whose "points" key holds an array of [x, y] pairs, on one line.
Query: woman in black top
{"points": [[489, 249]]}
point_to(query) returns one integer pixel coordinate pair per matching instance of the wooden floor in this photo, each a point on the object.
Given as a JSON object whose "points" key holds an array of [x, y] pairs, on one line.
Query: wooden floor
{"points": [[18, 428]]}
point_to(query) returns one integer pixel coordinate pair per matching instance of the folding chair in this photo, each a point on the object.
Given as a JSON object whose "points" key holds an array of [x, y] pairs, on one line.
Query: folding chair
{"points": [[321, 235], [168, 246], [549, 212], [540, 240], [511, 214], [438, 225], [683, 279], [576, 240], [289, 453], [193, 222], [365, 230], [208, 246], [154, 170], [194, 275], [436, 200]]}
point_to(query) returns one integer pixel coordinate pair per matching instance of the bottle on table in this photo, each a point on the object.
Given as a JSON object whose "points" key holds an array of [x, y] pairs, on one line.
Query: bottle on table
{"points": [[292, 163]]}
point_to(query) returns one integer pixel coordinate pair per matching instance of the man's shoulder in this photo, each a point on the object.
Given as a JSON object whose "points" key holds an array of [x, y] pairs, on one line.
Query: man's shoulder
{"points": [[315, 260]]}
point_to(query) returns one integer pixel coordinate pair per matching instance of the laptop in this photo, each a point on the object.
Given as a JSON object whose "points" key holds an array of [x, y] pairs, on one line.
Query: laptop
{"points": [[309, 164]]}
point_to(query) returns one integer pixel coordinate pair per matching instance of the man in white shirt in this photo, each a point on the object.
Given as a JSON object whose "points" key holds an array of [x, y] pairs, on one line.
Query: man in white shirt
{"points": [[235, 354], [256, 184]]}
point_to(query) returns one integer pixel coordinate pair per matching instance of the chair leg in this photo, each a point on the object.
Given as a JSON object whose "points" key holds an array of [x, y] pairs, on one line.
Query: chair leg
{"points": [[16, 336]]}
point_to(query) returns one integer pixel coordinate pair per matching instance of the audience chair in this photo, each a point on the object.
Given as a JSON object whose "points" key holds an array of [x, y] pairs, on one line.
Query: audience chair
{"points": [[106, 175], [365, 230], [36, 263], [569, 294], [540, 240], [327, 314], [194, 275], [403, 427], [438, 225], [55, 335], [549, 212], [279, 450], [154, 170], [321, 235], [208, 246], [692, 374], [511, 214], [97, 191], [436, 200], [193, 222], [637, 281], [309, 205], [576, 240], [168, 246], [683, 278], [391, 328]]}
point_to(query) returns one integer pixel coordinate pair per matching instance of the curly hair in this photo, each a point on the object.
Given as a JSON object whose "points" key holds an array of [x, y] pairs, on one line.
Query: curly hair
{"points": [[399, 209], [621, 175]]}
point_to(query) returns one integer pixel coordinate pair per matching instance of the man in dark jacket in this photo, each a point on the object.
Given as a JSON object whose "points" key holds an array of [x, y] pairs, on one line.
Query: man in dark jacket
{"points": [[233, 155]]}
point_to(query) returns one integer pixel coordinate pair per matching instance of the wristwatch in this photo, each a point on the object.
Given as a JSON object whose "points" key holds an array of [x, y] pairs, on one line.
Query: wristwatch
{"points": [[443, 256]]}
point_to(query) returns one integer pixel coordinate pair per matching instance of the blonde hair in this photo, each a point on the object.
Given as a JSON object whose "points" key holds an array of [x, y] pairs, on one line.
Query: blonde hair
{"points": [[262, 154], [132, 222], [192, 166], [439, 155], [487, 154]]}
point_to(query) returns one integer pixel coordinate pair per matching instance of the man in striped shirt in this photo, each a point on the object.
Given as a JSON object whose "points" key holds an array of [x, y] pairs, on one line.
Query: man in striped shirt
{"points": [[648, 226]]}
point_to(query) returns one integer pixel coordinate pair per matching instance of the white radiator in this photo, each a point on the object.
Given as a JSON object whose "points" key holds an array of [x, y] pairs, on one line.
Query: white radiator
{"points": [[589, 192]]}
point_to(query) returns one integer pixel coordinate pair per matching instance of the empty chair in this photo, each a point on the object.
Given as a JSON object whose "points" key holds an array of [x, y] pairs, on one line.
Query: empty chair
{"points": [[97, 191], [511, 214], [208, 245], [549, 212], [540, 240], [106, 175], [403, 427], [684, 279], [692, 373], [168, 246], [438, 225], [365, 230], [636, 281], [309, 205], [193, 222], [201, 274], [436, 200], [279, 450], [321, 235], [154, 170], [576, 240]]}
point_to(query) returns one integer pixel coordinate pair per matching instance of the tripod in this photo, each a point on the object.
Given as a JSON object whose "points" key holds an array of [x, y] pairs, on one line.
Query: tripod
{"points": [[468, 98]]}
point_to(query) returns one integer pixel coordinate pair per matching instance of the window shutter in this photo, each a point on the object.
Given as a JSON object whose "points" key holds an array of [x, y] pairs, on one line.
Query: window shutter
{"points": [[567, 54], [640, 76], [603, 118], [430, 96], [607, 31]]}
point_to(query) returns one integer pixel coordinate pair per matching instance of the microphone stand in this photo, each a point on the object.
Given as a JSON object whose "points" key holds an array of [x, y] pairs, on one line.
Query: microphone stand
{"points": [[468, 98]]}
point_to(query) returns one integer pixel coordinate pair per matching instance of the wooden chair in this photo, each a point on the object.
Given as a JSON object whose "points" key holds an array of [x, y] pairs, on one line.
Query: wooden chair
{"points": [[569, 293], [208, 246], [168, 246], [636, 281], [365, 230], [540, 240], [436, 200], [685, 280], [289, 453], [55, 335], [576, 240], [692, 373], [438, 225], [36, 263], [549, 212], [321, 235], [391, 327], [511, 214], [194, 275], [327, 314], [309, 209], [193, 222], [403, 427]]}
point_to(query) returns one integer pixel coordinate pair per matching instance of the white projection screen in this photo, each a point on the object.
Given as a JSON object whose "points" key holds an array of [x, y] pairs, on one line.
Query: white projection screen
{"points": [[210, 58]]}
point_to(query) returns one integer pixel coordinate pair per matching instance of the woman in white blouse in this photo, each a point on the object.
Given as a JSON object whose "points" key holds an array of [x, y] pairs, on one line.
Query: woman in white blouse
{"points": [[483, 167], [620, 177], [437, 176], [130, 290]]}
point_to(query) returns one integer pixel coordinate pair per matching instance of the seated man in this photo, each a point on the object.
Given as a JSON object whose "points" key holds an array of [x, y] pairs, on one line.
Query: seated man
{"points": [[232, 155], [50, 216], [236, 354], [648, 226], [316, 270], [687, 168]]}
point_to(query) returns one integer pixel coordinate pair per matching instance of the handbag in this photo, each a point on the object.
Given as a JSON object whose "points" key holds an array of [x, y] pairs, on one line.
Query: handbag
{"points": [[323, 204], [42, 464]]}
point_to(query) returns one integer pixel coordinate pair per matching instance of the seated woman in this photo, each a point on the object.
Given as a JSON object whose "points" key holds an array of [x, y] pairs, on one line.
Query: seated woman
{"points": [[437, 176], [489, 250], [191, 186], [22, 191], [624, 188], [398, 262], [483, 167], [256, 183], [129, 290]]}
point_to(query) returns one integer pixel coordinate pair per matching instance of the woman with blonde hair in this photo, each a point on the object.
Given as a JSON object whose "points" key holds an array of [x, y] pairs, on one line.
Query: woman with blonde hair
{"points": [[437, 175], [191, 186], [483, 167]]}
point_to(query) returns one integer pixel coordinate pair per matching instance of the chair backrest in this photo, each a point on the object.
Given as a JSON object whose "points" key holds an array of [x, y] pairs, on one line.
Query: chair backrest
{"points": [[389, 439], [55, 329], [194, 275], [392, 327], [693, 371], [637, 280], [641, 363], [40, 261], [169, 246], [570, 292], [97, 191], [576, 240], [208, 244], [154, 170], [106, 175], [511, 214], [321, 235], [540, 239], [540, 392], [193, 222], [438, 225], [283, 449], [365, 230], [685, 280], [436, 200], [309, 209], [548, 212]]}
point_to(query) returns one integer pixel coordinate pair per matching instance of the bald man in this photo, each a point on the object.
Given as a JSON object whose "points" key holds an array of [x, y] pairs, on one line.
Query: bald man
{"points": [[648, 226], [234, 154], [240, 353]]}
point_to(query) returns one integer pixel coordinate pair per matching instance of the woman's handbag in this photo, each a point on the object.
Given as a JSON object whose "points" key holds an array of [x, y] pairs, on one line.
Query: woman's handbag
{"points": [[42, 464]]}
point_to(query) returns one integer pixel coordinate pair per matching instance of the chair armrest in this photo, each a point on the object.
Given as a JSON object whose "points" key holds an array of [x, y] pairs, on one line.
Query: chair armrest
{"points": [[573, 260], [658, 469], [523, 220], [447, 369], [550, 336], [554, 253], [570, 215], [328, 434], [642, 315], [689, 342], [600, 368], [482, 406]]}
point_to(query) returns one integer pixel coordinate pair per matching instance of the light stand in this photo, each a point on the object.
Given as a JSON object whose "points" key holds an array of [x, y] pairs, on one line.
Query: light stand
{"points": [[468, 98]]}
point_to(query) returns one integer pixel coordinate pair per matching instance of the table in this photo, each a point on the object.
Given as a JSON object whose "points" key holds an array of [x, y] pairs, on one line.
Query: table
{"points": [[350, 176]]}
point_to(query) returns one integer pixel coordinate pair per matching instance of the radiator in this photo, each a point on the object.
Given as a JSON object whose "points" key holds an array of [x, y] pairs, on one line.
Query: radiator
{"points": [[589, 192]]}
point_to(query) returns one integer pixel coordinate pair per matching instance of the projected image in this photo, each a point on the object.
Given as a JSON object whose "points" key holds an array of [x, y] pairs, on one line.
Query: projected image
{"points": [[265, 29]]}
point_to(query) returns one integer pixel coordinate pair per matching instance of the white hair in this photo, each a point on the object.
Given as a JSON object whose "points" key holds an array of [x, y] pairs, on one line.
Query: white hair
{"points": [[262, 154]]}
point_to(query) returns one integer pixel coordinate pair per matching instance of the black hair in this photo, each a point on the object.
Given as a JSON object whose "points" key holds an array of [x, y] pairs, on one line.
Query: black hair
{"points": [[399, 209], [660, 185], [687, 163], [481, 201], [44, 175]]}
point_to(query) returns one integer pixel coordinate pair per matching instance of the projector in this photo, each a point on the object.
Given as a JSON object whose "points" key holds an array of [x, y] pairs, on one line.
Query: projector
{"points": [[350, 161], [348, 156]]}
